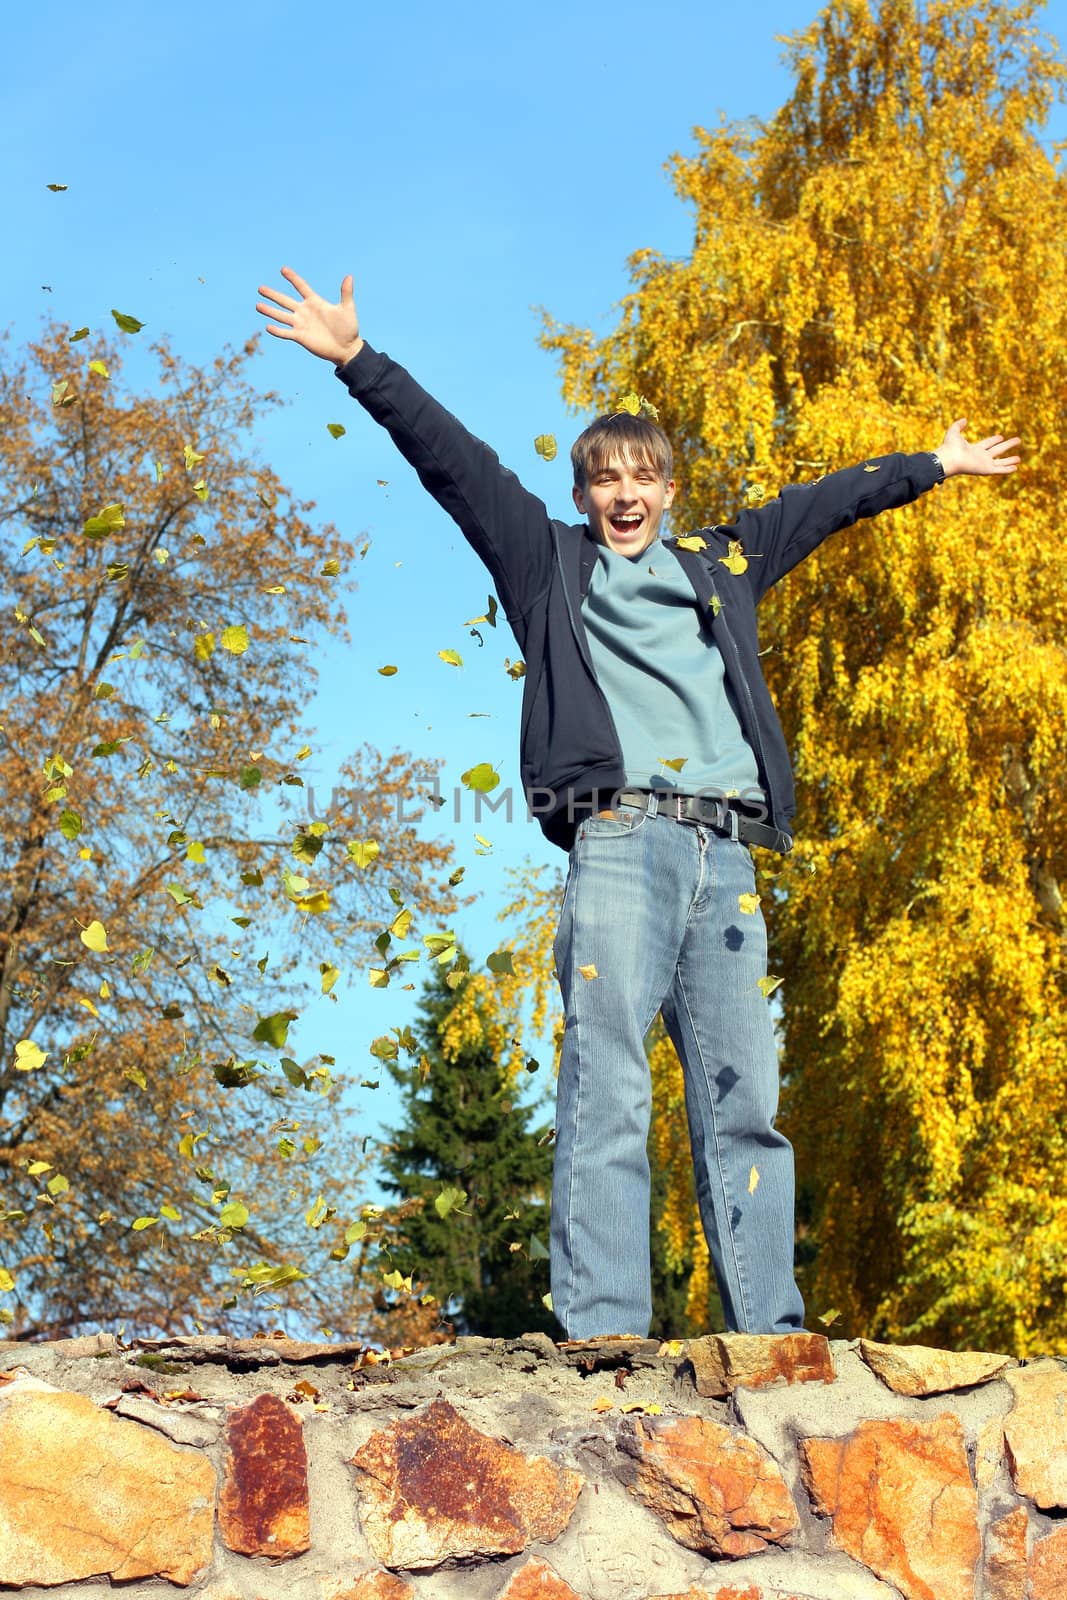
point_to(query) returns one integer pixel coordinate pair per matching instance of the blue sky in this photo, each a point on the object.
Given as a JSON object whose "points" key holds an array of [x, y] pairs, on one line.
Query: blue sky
{"points": [[467, 164]]}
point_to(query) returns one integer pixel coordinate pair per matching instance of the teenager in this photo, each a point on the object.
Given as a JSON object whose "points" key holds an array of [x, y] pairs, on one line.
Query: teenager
{"points": [[641, 651]]}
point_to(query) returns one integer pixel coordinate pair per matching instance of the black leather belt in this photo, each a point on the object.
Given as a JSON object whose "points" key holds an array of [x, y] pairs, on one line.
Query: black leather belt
{"points": [[710, 811]]}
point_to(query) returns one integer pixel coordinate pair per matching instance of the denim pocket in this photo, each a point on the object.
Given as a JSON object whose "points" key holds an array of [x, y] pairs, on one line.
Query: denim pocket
{"points": [[617, 823]]}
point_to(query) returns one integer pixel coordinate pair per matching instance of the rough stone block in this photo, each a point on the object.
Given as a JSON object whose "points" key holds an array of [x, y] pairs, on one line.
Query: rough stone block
{"points": [[723, 1362], [716, 1490], [1035, 1433], [916, 1369], [433, 1489], [537, 1581], [377, 1586], [263, 1507], [901, 1501], [84, 1494], [1005, 1556], [1048, 1567]]}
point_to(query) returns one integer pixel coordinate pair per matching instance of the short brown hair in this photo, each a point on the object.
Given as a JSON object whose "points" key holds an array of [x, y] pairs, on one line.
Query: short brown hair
{"points": [[636, 439]]}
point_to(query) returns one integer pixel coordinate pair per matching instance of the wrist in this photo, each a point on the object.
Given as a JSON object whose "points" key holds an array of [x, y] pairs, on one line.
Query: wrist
{"points": [[943, 468], [347, 353]]}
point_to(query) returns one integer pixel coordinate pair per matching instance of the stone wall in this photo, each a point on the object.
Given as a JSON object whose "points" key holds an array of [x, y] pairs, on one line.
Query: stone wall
{"points": [[731, 1468]]}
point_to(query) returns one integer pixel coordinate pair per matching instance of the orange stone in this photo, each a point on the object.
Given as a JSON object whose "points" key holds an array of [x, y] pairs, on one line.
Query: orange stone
{"points": [[84, 1494], [901, 1500], [729, 1593], [431, 1487], [537, 1581], [752, 1591], [377, 1586], [716, 1490], [723, 1362], [1005, 1556], [1035, 1433], [263, 1507], [1048, 1567]]}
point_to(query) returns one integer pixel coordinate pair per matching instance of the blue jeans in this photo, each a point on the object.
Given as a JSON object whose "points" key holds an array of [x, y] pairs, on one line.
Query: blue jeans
{"points": [[652, 904]]}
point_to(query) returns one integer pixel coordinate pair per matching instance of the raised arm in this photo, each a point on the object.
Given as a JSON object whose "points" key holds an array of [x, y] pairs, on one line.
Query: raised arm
{"points": [[506, 525], [788, 528]]}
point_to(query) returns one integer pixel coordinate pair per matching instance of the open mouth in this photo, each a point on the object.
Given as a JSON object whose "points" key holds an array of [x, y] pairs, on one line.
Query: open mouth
{"points": [[625, 526]]}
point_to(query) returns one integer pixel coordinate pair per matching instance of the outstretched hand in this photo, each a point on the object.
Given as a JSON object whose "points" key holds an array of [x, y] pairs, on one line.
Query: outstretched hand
{"points": [[983, 459], [326, 329]]}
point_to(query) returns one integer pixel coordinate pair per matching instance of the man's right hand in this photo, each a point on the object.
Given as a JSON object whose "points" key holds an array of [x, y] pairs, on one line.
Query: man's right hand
{"points": [[327, 330]]}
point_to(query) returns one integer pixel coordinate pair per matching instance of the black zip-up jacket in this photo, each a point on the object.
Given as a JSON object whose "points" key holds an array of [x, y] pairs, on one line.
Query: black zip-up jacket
{"points": [[569, 749]]}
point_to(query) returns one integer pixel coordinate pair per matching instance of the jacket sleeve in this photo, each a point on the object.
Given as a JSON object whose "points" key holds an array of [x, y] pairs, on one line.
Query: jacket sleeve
{"points": [[506, 525], [794, 524]]}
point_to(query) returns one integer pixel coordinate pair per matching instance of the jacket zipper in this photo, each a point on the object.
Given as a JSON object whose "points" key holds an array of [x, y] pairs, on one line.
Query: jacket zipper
{"points": [[724, 627], [583, 651]]}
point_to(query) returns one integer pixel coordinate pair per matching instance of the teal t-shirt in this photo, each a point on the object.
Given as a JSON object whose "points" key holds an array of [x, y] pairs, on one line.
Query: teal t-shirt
{"points": [[663, 676]]}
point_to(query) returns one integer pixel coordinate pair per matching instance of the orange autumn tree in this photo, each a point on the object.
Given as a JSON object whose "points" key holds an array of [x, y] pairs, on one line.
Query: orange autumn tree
{"points": [[167, 1140], [884, 255]]}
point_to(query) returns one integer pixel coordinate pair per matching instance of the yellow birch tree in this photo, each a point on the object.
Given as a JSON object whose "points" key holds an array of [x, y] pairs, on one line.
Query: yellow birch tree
{"points": [[884, 255]]}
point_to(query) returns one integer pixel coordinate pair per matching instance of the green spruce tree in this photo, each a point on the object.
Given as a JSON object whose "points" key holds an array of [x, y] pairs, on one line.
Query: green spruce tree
{"points": [[467, 1150]]}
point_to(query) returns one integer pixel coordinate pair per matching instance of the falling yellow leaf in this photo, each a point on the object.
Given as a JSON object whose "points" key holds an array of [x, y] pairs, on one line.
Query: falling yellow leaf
{"points": [[545, 445], [451, 657], [363, 851], [88, 1004], [336, 430], [314, 903], [204, 646], [691, 541], [872, 468], [235, 639], [94, 937], [482, 777], [400, 924], [748, 903], [29, 1056], [387, 672], [753, 1179], [191, 457], [755, 494], [589, 971], [734, 561], [330, 975], [768, 985], [676, 763]]}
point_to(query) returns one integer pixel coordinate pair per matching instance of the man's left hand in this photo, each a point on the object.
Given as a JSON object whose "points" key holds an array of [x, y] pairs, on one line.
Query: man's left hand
{"points": [[983, 459]]}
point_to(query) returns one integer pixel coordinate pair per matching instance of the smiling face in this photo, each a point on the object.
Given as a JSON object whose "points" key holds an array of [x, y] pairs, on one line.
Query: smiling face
{"points": [[624, 501]]}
